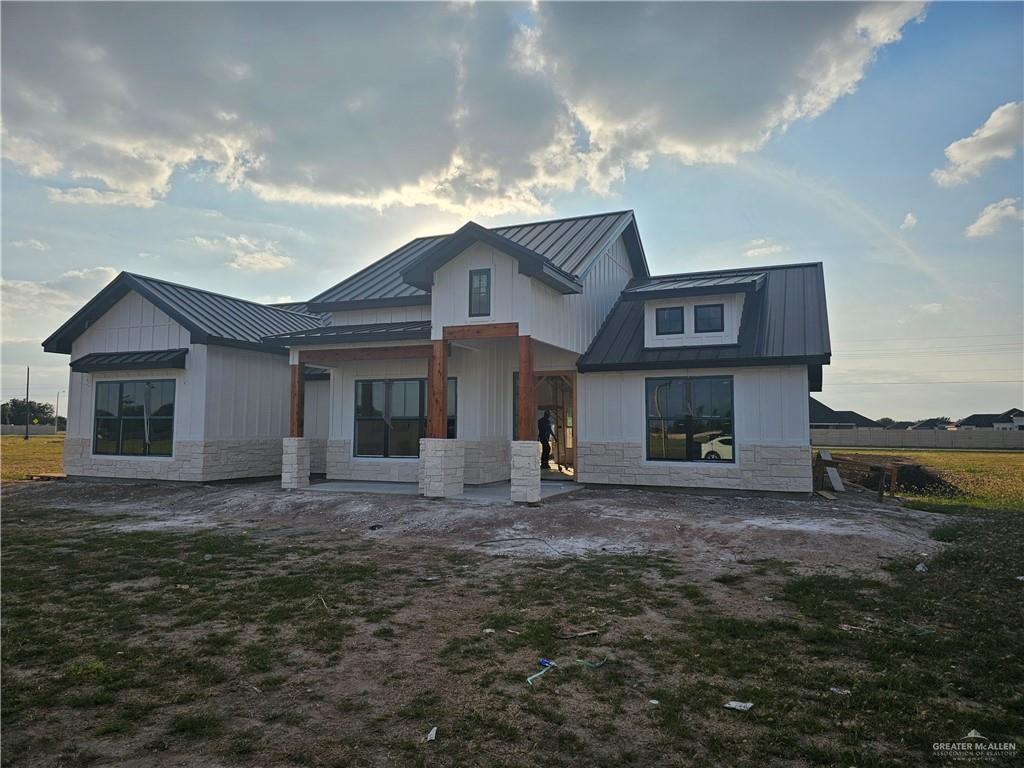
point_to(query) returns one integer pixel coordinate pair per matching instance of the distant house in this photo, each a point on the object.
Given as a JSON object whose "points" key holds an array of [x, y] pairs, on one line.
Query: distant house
{"points": [[1012, 419], [823, 417], [900, 425], [935, 423]]}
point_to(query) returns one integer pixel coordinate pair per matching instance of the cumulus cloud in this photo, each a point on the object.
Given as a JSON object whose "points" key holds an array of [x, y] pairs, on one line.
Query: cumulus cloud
{"points": [[486, 109], [909, 221], [248, 253], [32, 310], [933, 308], [760, 249], [997, 139], [31, 244], [992, 217]]}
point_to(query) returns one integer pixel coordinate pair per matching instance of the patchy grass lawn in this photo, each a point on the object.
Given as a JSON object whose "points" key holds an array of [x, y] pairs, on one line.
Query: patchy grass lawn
{"points": [[168, 648], [986, 479], [21, 458]]}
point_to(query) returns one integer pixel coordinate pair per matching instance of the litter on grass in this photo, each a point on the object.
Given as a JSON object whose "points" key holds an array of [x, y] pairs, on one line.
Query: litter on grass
{"points": [[653, 701], [488, 631], [921, 568], [840, 691], [742, 706], [432, 734], [849, 628]]}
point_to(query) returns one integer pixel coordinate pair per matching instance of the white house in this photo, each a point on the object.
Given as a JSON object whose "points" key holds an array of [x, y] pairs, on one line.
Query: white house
{"points": [[434, 363]]}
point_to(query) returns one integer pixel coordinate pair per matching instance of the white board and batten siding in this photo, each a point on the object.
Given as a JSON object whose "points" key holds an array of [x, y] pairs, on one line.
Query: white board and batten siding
{"points": [[222, 393], [769, 405], [135, 324], [381, 315], [566, 321]]}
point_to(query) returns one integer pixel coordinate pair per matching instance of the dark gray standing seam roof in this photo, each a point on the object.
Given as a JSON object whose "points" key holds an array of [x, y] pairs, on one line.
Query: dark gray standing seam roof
{"points": [[210, 318], [404, 331], [126, 361], [661, 287], [784, 322], [569, 245]]}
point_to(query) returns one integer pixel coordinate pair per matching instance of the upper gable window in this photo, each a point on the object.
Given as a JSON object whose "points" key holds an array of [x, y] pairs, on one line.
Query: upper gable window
{"points": [[479, 292], [709, 318], [668, 320]]}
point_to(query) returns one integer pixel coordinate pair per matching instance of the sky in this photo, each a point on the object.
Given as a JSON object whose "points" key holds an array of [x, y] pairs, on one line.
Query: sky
{"points": [[268, 151]]}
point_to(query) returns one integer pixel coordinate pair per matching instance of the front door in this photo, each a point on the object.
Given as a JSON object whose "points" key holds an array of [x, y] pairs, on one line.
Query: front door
{"points": [[554, 392]]}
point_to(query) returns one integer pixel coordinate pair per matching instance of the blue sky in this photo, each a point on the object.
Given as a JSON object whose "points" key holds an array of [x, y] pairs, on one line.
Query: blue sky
{"points": [[805, 132]]}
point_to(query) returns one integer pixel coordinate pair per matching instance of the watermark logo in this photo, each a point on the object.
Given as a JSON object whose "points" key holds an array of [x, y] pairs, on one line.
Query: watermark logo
{"points": [[974, 746]]}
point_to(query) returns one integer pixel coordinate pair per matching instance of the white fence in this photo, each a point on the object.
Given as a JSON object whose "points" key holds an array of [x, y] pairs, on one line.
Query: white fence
{"points": [[874, 437]]}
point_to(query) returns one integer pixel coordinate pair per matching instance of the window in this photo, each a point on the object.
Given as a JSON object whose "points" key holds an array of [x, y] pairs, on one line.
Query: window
{"points": [[690, 419], [479, 292], [668, 320], [709, 318], [134, 418], [391, 416]]}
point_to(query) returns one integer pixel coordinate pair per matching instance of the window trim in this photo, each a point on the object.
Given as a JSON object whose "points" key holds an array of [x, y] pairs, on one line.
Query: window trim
{"points": [[719, 329], [473, 272], [119, 454], [657, 321], [689, 380], [386, 418]]}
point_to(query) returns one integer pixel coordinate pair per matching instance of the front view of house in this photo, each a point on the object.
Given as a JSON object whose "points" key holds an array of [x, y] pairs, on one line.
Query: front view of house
{"points": [[434, 364]]}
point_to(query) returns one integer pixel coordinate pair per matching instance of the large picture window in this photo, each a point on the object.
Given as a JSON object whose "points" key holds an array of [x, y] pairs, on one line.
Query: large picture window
{"points": [[690, 419], [134, 418], [479, 292], [391, 416]]}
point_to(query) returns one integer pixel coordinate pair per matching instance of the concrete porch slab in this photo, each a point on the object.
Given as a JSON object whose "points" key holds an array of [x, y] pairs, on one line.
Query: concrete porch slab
{"points": [[494, 493]]}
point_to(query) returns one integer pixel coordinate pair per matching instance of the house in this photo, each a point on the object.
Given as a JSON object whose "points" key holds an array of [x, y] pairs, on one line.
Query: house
{"points": [[900, 425], [823, 417], [438, 358], [1012, 419], [935, 423]]}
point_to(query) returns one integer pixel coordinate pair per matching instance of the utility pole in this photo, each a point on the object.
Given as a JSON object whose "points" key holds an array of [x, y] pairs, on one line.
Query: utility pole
{"points": [[28, 416]]}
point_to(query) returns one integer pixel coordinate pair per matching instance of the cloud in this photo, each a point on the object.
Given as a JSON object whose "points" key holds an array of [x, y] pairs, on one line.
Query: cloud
{"points": [[248, 253], [488, 109], [992, 217], [933, 308], [32, 245], [759, 249], [32, 310], [997, 139], [909, 221]]}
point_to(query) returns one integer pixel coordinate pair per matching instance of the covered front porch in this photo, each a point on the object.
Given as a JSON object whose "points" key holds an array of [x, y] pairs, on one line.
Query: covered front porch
{"points": [[440, 413]]}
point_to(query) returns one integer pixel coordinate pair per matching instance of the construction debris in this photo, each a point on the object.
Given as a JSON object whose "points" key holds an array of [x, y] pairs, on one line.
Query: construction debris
{"points": [[741, 706]]}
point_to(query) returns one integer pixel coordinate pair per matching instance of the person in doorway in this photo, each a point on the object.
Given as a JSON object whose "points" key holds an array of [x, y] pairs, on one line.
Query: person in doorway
{"points": [[545, 434]]}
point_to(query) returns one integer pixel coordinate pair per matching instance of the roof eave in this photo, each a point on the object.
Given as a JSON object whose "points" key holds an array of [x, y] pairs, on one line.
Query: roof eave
{"points": [[663, 365], [703, 290]]}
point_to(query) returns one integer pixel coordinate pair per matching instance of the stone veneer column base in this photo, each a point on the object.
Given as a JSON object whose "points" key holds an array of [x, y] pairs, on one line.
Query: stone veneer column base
{"points": [[441, 468], [758, 468], [295, 463], [526, 471]]}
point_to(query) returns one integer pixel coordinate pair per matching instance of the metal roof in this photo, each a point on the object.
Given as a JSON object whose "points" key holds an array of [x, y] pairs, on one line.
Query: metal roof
{"points": [[210, 318], [819, 413], [334, 334], [682, 285], [568, 245], [126, 361], [783, 322]]}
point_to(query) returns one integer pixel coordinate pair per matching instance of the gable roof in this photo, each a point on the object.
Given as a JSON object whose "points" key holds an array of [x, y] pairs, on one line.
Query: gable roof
{"points": [[784, 322], [988, 419], [420, 273], [820, 413], [568, 245], [210, 318]]}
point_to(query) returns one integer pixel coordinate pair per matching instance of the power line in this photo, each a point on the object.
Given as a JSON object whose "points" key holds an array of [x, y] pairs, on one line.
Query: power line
{"points": [[919, 382], [922, 338]]}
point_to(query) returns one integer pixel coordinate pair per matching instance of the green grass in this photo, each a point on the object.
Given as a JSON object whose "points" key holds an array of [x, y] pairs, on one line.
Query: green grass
{"points": [[986, 479], [107, 657], [21, 458]]}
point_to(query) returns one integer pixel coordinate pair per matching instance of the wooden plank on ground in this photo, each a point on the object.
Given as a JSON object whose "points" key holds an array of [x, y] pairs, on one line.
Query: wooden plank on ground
{"points": [[831, 472]]}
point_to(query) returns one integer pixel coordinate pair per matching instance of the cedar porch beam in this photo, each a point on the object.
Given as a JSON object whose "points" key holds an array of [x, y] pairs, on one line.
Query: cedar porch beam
{"points": [[481, 331], [437, 391], [335, 356], [298, 401], [527, 428]]}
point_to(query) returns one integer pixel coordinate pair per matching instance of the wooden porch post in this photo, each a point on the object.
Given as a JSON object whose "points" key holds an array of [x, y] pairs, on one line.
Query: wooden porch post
{"points": [[527, 427], [298, 402], [437, 391]]}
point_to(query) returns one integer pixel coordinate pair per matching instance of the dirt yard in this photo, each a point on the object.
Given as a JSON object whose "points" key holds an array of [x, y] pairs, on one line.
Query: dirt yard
{"points": [[243, 625]]}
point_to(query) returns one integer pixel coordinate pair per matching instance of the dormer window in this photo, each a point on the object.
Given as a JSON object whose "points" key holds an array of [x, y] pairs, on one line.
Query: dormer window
{"points": [[479, 292], [709, 318], [668, 320]]}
